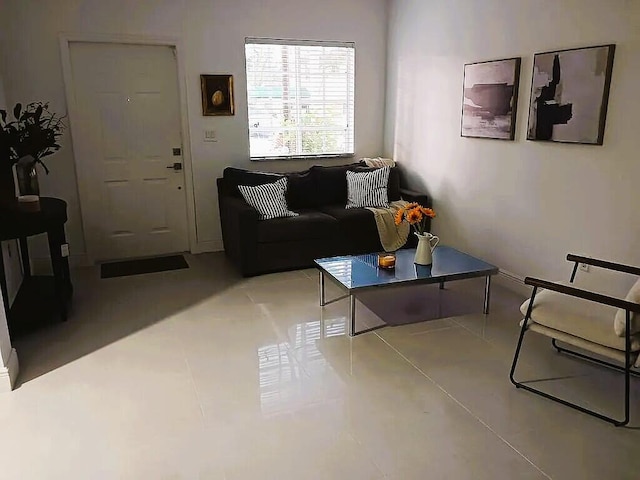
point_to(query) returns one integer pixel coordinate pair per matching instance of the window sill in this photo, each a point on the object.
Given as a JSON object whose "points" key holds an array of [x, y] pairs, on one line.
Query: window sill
{"points": [[302, 157]]}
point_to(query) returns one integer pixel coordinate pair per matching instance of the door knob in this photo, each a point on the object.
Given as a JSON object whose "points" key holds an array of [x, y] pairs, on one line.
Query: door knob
{"points": [[176, 166]]}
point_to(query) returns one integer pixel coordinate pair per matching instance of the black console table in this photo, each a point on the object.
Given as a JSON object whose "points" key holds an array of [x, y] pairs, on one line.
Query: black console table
{"points": [[42, 299]]}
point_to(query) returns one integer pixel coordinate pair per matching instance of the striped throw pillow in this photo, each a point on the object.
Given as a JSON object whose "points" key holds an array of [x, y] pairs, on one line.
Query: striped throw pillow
{"points": [[368, 189], [268, 199]]}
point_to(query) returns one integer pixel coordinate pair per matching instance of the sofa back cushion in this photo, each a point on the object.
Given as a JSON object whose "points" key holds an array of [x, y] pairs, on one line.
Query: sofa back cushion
{"points": [[331, 183], [308, 189], [302, 192], [239, 176]]}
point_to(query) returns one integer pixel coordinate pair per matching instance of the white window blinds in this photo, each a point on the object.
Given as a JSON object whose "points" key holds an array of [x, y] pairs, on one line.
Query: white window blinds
{"points": [[300, 98]]}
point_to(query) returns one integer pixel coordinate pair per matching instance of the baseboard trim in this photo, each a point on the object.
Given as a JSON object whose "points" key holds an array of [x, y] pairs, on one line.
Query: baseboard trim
{"points": [[208, 246], [513, 282], [42, 265], [9, 374]]}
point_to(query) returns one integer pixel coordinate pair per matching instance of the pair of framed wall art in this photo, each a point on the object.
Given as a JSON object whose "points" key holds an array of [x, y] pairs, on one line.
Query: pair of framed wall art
{"points": [[569, 96]]}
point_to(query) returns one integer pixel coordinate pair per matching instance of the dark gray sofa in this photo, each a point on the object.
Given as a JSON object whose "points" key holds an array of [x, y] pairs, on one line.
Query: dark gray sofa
{"points": [[323, 228]]}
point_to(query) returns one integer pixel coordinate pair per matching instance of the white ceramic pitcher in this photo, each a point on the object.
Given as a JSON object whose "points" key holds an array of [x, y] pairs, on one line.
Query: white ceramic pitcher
{"points": [[426, 244]]}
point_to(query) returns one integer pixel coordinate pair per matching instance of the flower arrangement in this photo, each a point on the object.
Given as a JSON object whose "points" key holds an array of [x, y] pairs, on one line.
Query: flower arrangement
{"points": [[34, 132], [416, 215]]}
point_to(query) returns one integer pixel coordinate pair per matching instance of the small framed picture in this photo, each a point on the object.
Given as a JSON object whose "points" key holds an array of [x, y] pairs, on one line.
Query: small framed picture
{"points": [[217, 94], [570, 94], [490, 99]]}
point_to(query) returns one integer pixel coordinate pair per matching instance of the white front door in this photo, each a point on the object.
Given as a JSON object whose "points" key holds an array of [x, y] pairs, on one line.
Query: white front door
{"points": [[126, 130]]}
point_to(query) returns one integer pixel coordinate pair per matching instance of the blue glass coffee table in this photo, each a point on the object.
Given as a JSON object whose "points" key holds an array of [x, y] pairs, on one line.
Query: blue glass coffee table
{"points": [[356, 273]]}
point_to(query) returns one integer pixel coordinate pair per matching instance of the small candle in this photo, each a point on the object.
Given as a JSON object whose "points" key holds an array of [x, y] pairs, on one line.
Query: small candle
{"points": [[387, 260]]}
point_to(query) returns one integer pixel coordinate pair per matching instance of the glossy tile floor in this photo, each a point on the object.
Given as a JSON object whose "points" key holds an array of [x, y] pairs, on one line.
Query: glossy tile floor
{"points": [[198, 374]]}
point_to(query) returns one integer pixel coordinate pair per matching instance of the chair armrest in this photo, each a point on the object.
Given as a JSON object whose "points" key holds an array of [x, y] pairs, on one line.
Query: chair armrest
{"points": [[618, 267], [585, 294], [412, 196]]}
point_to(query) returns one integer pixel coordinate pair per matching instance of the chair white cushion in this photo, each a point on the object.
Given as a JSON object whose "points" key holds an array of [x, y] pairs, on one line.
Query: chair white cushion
{"points": [[368, 189], [620, 322], [581, 318], [582, 343], [268, 199]]}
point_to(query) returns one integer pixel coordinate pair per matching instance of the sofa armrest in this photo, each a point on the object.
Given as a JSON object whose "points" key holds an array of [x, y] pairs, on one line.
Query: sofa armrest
{"points": [[239, 223], [413, 196]]}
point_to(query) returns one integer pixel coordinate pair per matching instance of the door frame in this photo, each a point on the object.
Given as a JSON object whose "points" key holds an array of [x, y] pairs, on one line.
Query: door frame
{"points": [[66, 39]]}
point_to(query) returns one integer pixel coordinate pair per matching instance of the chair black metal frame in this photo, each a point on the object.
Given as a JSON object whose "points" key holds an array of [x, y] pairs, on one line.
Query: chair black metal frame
{"points": [[629, 307]]}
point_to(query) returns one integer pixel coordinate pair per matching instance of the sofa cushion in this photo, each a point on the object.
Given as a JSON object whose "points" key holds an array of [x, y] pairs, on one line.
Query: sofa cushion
{"points": [[302, 192], [307, 225], [368, 189], [331, 183], [357, 228], [578, 317], [239, 176], [268, 199]]}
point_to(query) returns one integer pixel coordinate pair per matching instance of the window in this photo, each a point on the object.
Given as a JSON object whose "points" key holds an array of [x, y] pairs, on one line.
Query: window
{"points": [[300, 98]]}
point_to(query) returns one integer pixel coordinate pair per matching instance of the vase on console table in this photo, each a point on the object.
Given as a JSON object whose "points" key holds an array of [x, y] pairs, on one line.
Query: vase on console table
{"points": [[27, 176], [7, 186], [424, 250]]}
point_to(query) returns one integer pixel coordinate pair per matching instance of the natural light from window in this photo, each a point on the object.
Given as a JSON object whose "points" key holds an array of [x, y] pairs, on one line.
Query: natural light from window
{"points": [[300, 97]]}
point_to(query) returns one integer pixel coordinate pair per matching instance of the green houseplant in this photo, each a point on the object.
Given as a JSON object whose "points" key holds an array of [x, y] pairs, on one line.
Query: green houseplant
{"points": [[31, 136]]}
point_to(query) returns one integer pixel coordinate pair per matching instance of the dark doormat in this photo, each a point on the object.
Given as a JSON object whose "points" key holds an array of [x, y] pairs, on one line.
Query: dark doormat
{"points": [[145, 265]]}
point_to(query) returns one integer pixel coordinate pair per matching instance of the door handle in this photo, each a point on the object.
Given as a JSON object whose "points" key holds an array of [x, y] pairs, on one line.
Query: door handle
{"points": [[176, 166]]}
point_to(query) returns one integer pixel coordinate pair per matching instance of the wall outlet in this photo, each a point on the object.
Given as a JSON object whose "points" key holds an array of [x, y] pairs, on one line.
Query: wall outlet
{"points": [[64, 249], [584, 267]]}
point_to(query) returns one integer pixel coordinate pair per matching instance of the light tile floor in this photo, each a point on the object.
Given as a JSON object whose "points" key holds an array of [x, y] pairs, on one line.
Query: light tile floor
{"points": [[198, 374]]}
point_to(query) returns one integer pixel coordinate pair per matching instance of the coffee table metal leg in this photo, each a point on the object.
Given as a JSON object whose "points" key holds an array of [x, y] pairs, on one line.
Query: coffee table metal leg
{"points": [[352, 315], [321, 283], [487, 294], [441, 285]]}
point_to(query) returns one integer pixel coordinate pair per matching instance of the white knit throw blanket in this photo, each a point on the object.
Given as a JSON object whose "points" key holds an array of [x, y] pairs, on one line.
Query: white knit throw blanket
{"points": [[379, 162], [392, 236]]}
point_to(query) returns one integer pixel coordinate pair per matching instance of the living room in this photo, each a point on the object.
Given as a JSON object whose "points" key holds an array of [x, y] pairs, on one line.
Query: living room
{"points": [[520, 205]]}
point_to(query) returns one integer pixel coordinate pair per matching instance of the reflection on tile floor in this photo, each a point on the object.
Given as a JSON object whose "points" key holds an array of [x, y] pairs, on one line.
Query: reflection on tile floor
{"points": [[199, 374]]}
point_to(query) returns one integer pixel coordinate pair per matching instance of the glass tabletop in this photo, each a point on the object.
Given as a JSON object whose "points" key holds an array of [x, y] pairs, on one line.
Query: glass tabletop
{"points": [[361, 271]]}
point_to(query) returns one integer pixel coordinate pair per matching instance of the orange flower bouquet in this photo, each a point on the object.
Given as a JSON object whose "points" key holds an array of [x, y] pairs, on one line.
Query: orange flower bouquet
{"points": [[416, 215]]}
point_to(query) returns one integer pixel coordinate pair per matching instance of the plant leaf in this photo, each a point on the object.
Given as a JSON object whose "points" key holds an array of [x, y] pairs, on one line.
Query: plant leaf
{"points": [[16, 111], [3, 114], [43, 166]]}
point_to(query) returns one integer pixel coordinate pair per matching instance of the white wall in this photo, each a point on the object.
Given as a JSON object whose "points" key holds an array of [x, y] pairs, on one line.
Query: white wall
{"points": [[522, 205], [212, 32]]}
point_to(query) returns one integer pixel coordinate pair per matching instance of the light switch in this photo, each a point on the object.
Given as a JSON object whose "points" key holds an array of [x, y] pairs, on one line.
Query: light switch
{"points": [[210, 136]]}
